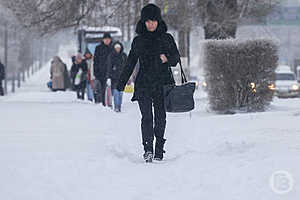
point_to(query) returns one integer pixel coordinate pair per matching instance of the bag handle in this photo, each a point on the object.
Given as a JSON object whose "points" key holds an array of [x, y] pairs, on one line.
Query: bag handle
{"points": [[183, 77]]}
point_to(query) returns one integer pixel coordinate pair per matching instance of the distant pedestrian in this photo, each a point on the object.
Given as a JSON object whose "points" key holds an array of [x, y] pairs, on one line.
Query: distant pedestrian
{"points": [[116, 62], [79, 69], [90, 75], [73, 72], [57, 74], [100, 67]]}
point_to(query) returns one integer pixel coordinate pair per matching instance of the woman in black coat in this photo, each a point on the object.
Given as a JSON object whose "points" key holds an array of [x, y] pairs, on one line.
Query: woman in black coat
{"points": [[115, 63], [156, 51], [79, 71]]}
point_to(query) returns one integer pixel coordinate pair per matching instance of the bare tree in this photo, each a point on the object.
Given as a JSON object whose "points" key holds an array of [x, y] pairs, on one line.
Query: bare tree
{"points": [[20, 47], [50, 15], [220, 18]]}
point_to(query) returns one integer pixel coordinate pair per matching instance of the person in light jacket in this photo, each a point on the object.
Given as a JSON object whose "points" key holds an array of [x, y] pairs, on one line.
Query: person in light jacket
{"points": [[90, 75], [57, 76]]}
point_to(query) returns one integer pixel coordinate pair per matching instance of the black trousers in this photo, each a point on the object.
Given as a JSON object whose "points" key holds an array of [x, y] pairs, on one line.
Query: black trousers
{"points": [[152, 125], [80, 90], [99, 91]]}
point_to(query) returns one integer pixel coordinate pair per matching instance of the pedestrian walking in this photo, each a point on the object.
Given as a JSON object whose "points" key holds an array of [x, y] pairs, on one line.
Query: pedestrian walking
{"points": [[90, 75], [116, 62], [100, 67], [157, 52], [79, 70], [57, 74]]}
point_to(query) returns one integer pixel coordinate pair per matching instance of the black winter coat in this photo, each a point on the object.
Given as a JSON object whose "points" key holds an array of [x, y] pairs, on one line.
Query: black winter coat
{"points": [[100, 60], [116, 62], [2, 72], [75, 69], [147, 48]]}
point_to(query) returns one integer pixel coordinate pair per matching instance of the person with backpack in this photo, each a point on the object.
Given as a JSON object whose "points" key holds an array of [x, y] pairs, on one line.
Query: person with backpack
{"points": [[157, 52], [116, 62]]}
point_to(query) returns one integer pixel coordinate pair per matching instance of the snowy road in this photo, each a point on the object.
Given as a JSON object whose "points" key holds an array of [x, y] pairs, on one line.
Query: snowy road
{"points": [[53, 147]]}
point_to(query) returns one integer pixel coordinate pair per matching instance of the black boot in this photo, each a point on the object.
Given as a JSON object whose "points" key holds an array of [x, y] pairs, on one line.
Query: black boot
{"points": [[148, 155], [97, 99], [159, 149]]}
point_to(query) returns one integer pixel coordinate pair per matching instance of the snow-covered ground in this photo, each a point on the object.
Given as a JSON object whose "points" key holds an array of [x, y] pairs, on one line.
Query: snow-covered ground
{"points": [[54, 147]]}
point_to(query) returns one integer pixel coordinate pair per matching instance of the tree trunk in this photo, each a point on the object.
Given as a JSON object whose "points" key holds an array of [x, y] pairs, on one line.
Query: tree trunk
{"points": [[145, 2], [182, 43], [137, 8], [19, 78], [128, 21], [13, 86], [23, 74], [122, 22], [183, 35], [5, 56]]}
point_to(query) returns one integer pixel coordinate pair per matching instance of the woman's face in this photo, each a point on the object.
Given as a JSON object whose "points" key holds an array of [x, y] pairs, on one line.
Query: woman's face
{"points": [[151, 25], [118, 49], [78, 60]]}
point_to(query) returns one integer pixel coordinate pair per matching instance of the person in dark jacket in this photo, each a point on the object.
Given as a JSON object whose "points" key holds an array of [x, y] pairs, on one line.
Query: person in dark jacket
{"points": [[79, 70], [73, 72], [2, 77], [67, 78], [156, 51], [100, 68], [116, 62]]}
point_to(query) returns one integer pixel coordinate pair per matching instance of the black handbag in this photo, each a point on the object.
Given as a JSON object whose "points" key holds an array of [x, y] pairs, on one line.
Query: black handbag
{"points": [[180, 98]]}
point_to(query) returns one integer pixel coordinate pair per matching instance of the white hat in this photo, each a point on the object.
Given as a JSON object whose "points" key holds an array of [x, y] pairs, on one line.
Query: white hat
{"points": [[117, 46]]}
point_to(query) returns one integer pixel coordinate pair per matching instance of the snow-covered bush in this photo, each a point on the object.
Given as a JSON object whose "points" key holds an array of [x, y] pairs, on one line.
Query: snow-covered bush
{"points": [[239, 73]]}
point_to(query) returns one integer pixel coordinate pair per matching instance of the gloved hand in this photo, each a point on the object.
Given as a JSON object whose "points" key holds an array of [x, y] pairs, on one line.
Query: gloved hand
{"points": [[108, 82]]}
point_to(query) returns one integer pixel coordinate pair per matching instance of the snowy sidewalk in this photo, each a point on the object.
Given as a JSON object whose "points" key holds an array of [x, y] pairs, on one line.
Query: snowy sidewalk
{"points": [[54, 147]]}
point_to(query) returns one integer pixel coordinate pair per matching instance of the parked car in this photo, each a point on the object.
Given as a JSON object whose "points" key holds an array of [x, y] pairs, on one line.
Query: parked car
{"points": [[286, 84]]}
